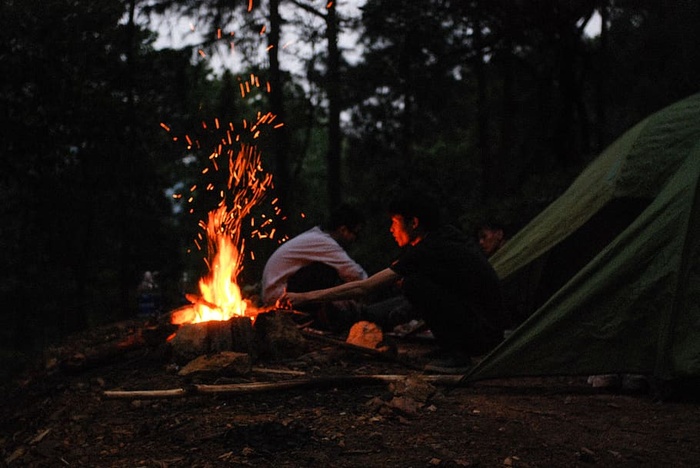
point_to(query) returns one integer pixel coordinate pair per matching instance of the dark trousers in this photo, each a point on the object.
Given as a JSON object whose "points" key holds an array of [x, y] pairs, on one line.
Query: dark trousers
{"points": [[390, 313], [313, 276], [327, 316], [457, 326]]}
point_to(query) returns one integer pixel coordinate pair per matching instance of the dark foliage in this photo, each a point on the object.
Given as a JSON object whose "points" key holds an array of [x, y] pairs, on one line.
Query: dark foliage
{"points": [[85, 164]]}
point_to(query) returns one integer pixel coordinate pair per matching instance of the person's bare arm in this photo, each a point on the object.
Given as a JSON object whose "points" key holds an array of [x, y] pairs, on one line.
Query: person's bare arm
{"points": [[351, 290]]}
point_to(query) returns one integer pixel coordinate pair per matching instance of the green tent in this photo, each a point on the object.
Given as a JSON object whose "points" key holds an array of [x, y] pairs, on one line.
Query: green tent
{"points": [[629, 227]]}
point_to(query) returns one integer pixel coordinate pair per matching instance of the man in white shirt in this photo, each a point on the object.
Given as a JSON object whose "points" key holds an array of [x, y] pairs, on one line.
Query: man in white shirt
{"points": [[316, 259]]}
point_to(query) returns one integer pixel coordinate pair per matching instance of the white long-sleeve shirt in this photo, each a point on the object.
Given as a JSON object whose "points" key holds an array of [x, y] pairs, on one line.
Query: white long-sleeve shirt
{"points": [[308, 247]]}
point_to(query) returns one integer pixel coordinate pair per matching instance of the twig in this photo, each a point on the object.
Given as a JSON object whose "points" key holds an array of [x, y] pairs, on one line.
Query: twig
{"points": [[200, 300], [301, 326], [146, 394], [265, 370]]}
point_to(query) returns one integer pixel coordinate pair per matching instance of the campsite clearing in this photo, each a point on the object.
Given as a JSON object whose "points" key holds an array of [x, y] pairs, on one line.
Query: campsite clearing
{"points": [[63, 419], [630, 306]]}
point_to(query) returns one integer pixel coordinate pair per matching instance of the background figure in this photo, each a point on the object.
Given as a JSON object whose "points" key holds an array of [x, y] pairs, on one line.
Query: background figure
{"points": [[148, 295], [317, 259], [491, 236]]}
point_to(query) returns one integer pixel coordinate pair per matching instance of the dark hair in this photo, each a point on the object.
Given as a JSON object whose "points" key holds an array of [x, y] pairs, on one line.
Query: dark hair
{"points": [[491, 225], [343, 215], [419, 205]]}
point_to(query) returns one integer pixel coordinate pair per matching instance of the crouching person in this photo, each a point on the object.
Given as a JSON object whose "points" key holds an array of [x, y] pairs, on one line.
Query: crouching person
{"points": [[318, 259]]}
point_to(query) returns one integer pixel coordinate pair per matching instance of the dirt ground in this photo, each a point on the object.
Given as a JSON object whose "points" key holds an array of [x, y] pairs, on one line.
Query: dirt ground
{"points": [[56, 417]]}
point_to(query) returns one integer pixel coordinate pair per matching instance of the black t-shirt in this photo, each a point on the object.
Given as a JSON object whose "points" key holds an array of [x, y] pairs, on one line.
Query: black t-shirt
{"points": [[451, 261]]}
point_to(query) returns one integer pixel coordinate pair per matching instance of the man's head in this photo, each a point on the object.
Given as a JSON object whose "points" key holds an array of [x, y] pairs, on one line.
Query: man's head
{"points": [[413, 216], [344, 224], [491, 237]]}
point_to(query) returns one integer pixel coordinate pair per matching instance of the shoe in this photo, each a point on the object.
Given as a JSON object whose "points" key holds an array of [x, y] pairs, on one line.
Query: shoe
{"points": [[635, 383], [610, 381], [409, 328], [453, 364]]}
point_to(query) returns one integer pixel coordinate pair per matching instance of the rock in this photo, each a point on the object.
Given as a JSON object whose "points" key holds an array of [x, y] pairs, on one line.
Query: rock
{"points": [[405, 405], [367, 335], [225, 363], [413, 387]]}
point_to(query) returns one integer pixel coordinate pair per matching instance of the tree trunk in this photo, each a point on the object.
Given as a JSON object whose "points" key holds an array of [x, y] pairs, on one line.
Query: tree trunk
{"points": [[497, 180], [601, 87], [482, 116], [280, 136], [335, 189]]}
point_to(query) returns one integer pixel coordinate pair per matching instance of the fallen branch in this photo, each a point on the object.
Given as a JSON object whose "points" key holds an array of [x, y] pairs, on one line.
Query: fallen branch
{"points": [[98, 355], [264, 370], [147, 394], [259, 387]]}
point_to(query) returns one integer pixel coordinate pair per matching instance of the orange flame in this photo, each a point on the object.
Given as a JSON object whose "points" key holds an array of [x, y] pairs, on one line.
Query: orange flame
{"points": [[220, 296]]}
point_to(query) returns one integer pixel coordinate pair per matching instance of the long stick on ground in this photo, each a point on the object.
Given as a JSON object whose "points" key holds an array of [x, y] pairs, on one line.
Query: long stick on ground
{"points": [[259, 387]]}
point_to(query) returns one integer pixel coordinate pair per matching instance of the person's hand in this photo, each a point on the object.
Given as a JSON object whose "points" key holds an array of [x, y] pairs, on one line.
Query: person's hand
{"points": [[289, 300], [283, 303]]}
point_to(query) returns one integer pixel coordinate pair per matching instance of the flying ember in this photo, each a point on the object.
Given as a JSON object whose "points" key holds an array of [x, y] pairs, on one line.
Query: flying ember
{"points": [[219, 296]]}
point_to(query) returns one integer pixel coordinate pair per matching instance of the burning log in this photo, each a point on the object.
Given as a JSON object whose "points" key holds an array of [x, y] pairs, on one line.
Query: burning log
{"points": [[274, 336], [278, 336], [96, 348], [98, 355], [158, 334], [196, 339], [195, 300]]}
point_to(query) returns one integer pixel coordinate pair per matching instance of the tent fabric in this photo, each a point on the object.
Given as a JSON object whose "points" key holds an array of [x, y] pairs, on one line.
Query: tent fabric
{"points": [[635, 307], [635, 165]]}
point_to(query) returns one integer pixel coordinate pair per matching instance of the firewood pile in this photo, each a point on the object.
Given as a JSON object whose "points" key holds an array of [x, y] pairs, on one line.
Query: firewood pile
{"points": [[209, 352]]}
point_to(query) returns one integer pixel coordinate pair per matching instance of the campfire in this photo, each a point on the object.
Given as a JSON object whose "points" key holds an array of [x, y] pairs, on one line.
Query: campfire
{"points": [[220, 296], [218, 318]]}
